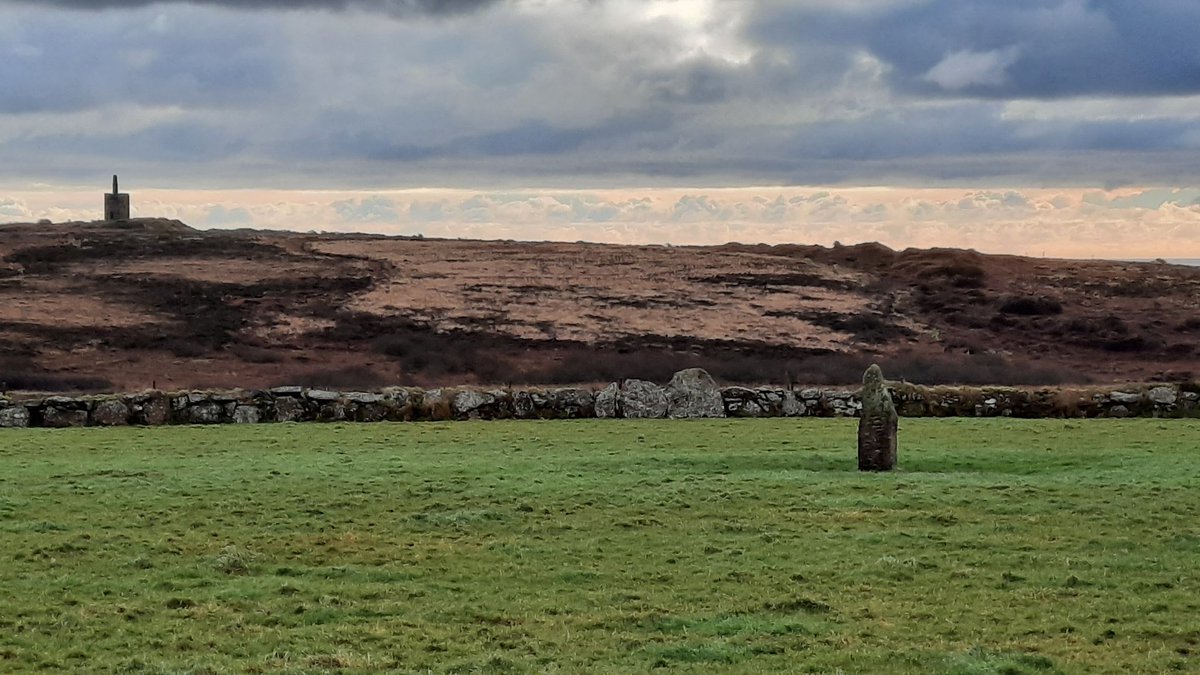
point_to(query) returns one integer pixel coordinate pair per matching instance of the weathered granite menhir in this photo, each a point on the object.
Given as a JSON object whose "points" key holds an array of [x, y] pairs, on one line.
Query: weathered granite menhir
{"points": [[690, 394], [877, 425]]}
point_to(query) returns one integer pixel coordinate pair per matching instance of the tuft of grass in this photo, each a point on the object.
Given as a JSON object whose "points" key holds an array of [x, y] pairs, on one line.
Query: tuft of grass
{"points": [[234, 560], [979, 661]]}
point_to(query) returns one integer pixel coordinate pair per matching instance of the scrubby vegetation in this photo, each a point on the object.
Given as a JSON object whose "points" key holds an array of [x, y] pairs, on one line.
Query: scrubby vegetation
{"points": [[747, 546]]}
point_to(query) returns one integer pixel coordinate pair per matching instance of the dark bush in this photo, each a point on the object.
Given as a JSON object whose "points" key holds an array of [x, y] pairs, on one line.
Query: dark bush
{"points": [[1028, 305], [829, 369], [15, 377], [252, 354], [870, 327], [340, 379]]}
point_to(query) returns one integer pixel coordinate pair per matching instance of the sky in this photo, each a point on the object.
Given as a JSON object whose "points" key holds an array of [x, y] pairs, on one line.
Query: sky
{"points": [[1041, 127]]}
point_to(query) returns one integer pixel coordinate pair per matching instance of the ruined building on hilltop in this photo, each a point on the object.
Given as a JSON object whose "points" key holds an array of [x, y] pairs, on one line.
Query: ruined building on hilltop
{"points": [[116, 205]]}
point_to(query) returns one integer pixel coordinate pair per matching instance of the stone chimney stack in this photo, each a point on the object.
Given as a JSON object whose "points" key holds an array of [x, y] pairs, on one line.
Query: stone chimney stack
{"points": [[116, 205]]}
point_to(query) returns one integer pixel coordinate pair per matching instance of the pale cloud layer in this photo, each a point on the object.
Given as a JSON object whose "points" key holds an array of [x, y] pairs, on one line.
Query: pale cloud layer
{"points": [[1126, 223]]}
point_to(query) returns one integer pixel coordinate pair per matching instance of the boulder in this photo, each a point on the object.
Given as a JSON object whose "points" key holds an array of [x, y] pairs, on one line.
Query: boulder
{"points": [[607, 400], [110, 413], [693, 393], [322, 395], [14, 417], [1124, 397], [643, 400]]}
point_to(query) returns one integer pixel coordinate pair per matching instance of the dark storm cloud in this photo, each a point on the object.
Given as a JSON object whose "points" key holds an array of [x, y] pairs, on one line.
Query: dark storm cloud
{"points": [[1010, 48], [430, 7]]}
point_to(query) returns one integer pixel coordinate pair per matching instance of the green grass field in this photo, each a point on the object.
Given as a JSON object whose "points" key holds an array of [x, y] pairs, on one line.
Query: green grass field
{"points": [[1001, 546]]}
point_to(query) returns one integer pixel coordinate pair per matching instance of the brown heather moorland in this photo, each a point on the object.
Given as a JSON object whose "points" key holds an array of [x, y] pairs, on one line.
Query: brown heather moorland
{"points": [[148, 302]]}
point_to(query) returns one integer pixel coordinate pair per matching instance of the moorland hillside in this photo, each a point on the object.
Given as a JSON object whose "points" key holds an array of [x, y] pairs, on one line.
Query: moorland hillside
{"points": [[133, 304]]}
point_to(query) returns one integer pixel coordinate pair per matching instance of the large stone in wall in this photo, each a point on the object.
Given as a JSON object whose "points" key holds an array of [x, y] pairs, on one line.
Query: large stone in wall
{"points": [[14, 417], [693, 393], [371, 412], [1163, 396], [643, 400], [607, 401], [792, 405], [62, 418], [570, 403], [523, 407], [333, 411], [149, 408], [741, 402], [110, 413], [472, 403], [209, 412], [288, 409], [246, 414]]}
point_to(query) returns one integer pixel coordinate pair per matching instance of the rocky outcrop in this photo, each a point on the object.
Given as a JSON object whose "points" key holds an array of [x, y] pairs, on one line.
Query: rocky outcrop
{"points": [[693, 393]]}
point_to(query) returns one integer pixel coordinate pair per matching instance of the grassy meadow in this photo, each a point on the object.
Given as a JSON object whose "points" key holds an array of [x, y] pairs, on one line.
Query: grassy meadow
{"points": [[742, 546]]}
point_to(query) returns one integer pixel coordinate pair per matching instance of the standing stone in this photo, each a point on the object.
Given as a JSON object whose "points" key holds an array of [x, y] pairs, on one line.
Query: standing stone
{"points": [[877, 425], [693, 393]]}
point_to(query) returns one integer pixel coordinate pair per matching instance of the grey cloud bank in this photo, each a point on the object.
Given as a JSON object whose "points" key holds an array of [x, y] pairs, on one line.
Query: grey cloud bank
{"points": [[378, 93], [402, 7]]}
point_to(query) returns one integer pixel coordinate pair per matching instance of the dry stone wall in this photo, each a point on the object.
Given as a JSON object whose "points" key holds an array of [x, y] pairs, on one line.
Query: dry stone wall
{"points": [[692, 395]]}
